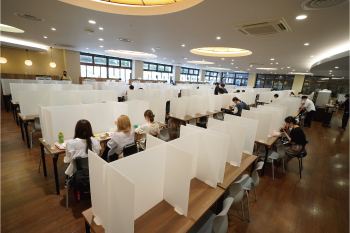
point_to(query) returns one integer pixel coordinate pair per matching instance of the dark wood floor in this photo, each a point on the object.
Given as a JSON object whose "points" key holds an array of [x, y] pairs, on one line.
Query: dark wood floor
{"points": [[319, 202]]}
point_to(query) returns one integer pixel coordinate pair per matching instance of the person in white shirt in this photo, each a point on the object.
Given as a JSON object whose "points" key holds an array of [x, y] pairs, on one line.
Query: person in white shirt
{"points": [[65, 77], [275, 96], [309, 107], [83, 141], [125, 135], [150, 127]]}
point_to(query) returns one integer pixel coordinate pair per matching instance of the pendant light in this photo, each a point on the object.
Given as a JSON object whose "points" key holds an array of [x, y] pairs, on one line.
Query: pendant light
{"points": [[28, 62], [3, 60], [52, 64]]}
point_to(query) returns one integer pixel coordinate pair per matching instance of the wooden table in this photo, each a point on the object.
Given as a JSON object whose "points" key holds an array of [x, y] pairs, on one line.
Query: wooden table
{"points": [[7, 101], [232, 172], [267, 144], [55, 154], [163, 218], [187, 118], [23, 122], [14, 106]]}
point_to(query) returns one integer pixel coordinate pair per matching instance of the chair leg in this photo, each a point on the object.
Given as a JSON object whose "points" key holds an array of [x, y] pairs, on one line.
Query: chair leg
{"points": [[273, 172], [246, 192], [39, 164], [256, 197], [67, 195], [283, 165], [299, 168], [242, 210], [31, 139]]}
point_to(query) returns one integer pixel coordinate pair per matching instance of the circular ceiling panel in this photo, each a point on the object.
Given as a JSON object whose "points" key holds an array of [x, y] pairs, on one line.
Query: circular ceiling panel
{"points": [[135, 7], [7, 28], [215, 68], [322, 4], [221, 52], [201, 62], [128, 53]]}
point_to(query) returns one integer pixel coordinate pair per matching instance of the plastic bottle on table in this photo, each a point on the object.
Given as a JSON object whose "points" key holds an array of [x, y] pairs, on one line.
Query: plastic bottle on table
{"points": [[60, 137]]}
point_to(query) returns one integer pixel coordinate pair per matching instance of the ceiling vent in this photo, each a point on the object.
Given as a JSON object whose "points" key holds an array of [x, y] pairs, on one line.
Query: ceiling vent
{"points": [[124, 40], [63, 45], [322, 4], [89, 31], [27, 16], [266, 27]]}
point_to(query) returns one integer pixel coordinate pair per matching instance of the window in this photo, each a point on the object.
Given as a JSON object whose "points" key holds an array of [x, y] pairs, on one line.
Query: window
{"points": [[336, 84], [237, 79], [275, 81], [189, 75], [154, 71], [96, 66], [211, 77]]}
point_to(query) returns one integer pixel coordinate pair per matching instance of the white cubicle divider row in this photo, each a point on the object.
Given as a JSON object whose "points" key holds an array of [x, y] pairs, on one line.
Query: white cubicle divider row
{"points": [[163, 94], [264, 124], [292, 104], [29, 100], [5, 83], [16, 87], [267, 97], [141, 182], [101, 116]]}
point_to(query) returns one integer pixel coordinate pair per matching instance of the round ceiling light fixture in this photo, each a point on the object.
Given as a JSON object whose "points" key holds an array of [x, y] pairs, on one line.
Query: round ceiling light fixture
{"points": [[128, 53], [135, 7], [221, 52], [3, 60], [7, 28], [201, 62], [215, 68]]}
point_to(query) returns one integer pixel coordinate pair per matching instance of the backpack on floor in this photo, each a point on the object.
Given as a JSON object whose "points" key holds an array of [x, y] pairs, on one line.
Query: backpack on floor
{"points": [[81, 185]]}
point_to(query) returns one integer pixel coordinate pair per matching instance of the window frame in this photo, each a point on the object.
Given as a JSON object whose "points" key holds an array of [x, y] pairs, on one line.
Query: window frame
{"points": [[189, 74], [273, 79]]}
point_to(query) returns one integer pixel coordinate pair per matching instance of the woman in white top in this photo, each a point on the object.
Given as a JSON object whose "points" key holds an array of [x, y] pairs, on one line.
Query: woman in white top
{"points": [[83, 141], [150, 127], [125, 135]]}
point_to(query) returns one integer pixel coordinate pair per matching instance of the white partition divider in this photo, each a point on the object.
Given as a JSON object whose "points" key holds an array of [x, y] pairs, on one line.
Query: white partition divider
{"points": [[119, 108], [264, 122], [153, 141], [213, 122], [32, 81], [275, 118], [61, 98], [158, 108], [205, 147], [101, 117], [42, 123], [16, 87], [84, 87], [278, 113], [218, 102], [266, 97], [29, 101], [179, 107], [192, 106], [108, 95], [5, 83], [68, 87], [63, 118], [227, 100], [132, 95], [202, 105], [136, 110], [160, 173], [237, 135], [122, 89], [48, 87], [251, 126], [282, 107]]}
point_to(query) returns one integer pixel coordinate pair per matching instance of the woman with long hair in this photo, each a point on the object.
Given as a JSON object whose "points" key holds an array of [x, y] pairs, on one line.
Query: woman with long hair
{"points": [[150, 127]]}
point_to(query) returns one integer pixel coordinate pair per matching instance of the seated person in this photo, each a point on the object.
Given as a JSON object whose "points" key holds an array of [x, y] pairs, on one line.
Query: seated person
{"points": [[223, 89], [83, 141], [238, 91], [291, 94], [131, 87], [275, 96], [125, 135], [217, 89], [239, 106], [150, 127], [243, 91], [295, 136]]}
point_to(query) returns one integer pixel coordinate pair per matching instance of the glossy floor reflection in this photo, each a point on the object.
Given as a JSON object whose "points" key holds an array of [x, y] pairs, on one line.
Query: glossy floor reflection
{"points": [[319, 202]]}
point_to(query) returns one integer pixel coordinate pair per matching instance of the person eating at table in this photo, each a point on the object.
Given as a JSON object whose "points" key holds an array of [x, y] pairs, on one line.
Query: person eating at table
{"points": [[150, 127]]}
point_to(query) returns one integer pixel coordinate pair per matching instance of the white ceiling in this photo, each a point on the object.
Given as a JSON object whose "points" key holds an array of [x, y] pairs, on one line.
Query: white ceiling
{"points": [[198, 26]]}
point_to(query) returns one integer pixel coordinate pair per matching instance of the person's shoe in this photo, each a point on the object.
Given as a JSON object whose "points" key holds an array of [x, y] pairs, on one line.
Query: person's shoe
{"points": [[341, 129]]}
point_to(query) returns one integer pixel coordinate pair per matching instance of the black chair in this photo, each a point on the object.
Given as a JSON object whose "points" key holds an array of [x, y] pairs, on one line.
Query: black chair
{"points": [[300, 157], [130, 149]]}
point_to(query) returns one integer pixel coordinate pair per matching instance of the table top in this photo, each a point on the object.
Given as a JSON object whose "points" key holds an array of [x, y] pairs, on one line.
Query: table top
{"points": [[270, 141], [232, 172], [27, 118], [163, 218], [187, 118], [89, 219], [14, 103]]}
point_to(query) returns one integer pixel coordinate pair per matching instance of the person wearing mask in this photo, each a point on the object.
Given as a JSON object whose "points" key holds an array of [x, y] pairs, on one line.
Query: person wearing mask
{"points": [[150, 127], [223, 89], [217, 89], [309, 107], [123, 136], [65, 77], [345, 119], [83, 141], [295, 136], [243, 91]]}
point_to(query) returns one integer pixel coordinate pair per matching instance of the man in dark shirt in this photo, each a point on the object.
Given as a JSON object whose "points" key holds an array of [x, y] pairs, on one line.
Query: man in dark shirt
{"points": [[217, 89], [345, 119], [223, 89]]}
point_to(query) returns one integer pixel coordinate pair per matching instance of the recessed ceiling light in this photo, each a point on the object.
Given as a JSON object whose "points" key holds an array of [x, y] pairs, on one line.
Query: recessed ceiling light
{"points": [[300, 17], [222, 58], [100, 28], [288, 67], [251, 65], [92, 22], [332, 75], [236, 67], [87, 48], [185, 58], [7, 28], [201, 62], [232, 63], [214, 68], [306, 44], [281, 68], [219, 65], [272, 59], [173, 60], [248, 69], [218, 38], [100, 39], [271, 63], [293, 70], [164, 58], [129, 53], [183, 45], [312, 56], [53, 29], [336, 67], [45, 37], [101, 46], [276, 63], [330, 71], [233, 60], [263, 68]]}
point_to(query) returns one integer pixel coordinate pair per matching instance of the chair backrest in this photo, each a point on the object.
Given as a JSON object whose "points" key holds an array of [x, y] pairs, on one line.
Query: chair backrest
{"points": [[130, 149], [220, 222], [236, 192], [255, 175], [281, 152], [81, 163], [37, 125], [164, 135], [219, 116]]}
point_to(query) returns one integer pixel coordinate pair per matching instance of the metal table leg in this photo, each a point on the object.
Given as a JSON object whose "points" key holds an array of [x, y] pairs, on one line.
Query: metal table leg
{"points": [[17, 121], [220, 203], [267, 152], [6, 103], [21, 125], [55, 158], [26, 130], [87, 227], [43, 158]]}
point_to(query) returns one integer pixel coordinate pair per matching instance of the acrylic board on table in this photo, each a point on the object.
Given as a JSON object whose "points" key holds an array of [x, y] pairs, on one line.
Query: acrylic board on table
{"points": [[48, 87], [275, 121], [251, 126], [30, 81], [101, 117], [158, 108], [5, 83], [179, 107], [16, 87], [136, 110], [264, 122], [61, 98], [29, 101], [278, 112]]}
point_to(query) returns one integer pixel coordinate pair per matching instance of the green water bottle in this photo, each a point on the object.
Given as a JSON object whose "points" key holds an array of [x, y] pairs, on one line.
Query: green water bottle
{"points": [[60, 137]]}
